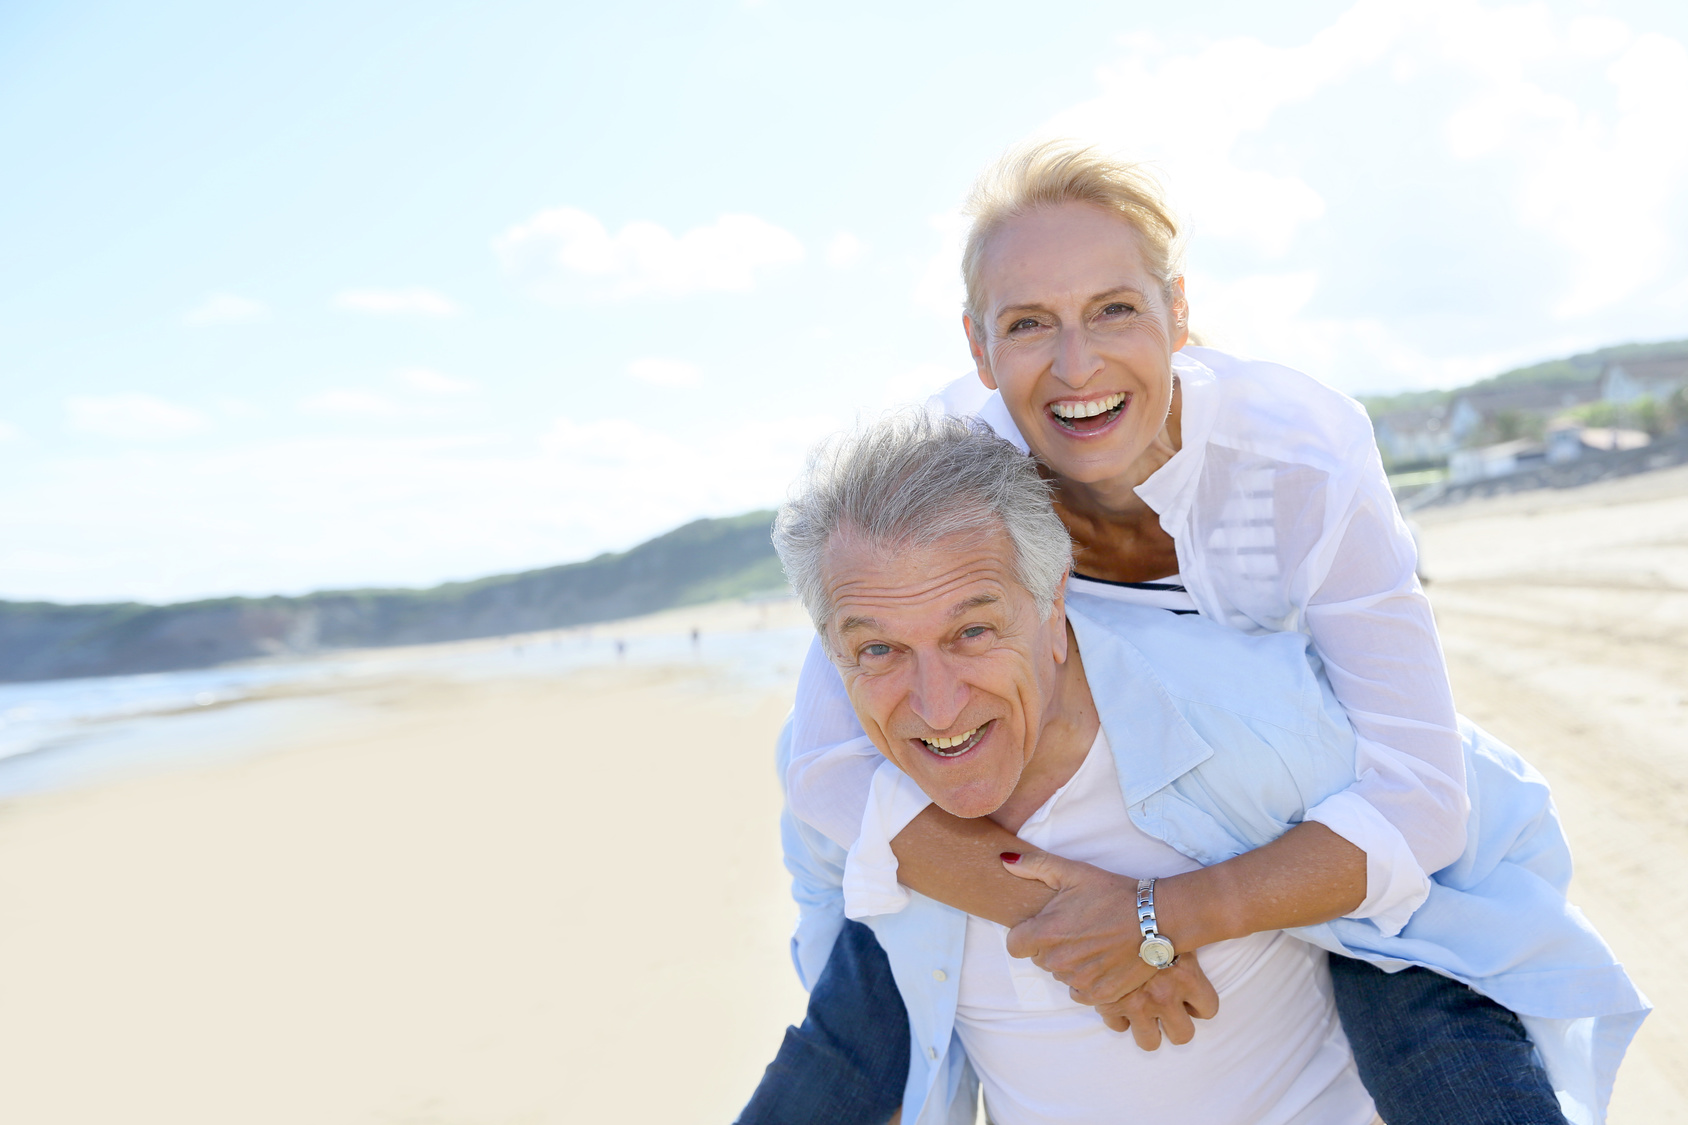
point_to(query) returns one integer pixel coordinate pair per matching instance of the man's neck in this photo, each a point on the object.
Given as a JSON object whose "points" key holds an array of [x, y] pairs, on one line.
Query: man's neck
{"points": [[1069, 730]]}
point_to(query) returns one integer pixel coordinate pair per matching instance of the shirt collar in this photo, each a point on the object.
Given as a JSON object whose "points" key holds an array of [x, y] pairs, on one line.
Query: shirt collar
{"points": [[1153, 744]]}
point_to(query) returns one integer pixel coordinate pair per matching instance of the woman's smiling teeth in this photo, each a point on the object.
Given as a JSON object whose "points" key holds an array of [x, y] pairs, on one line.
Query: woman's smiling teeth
{"points": [[1077, 415], [956, 746]]}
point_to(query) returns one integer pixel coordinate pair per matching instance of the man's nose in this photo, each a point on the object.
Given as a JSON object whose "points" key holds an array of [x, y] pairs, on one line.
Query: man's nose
{"points": [[937, 694], [1076, 359]]}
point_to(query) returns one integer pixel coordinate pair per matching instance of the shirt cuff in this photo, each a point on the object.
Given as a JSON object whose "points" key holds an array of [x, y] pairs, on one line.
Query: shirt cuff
{"points": [[1395, 884], [870, 870]]}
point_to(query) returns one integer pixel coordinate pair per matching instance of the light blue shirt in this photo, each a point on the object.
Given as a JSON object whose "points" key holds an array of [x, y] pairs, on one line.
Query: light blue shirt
{"points": [[1222, 741]]}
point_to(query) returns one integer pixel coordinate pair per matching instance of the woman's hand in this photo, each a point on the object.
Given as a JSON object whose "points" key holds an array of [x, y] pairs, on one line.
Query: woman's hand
{"points": [[1173, 999]]}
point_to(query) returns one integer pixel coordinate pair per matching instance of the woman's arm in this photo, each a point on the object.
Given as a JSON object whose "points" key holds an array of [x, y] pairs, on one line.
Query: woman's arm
{"points": [[831, 764], [1080, 922]]}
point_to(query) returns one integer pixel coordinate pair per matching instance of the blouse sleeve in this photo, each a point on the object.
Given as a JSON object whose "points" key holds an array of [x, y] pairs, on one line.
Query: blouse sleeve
{"points": [[831, 764], [1374, 631]]}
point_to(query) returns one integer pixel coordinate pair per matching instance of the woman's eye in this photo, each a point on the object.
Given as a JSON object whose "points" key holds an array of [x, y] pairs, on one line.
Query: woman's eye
{"points": [[1022, 324], [1117, 308]]}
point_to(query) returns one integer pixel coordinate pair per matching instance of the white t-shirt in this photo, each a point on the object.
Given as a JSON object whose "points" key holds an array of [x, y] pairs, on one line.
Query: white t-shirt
{"points": [[1274, 1055]]}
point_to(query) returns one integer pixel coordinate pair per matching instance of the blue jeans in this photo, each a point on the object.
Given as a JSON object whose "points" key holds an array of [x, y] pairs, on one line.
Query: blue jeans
{"points": [[848, 1063], [1430, 1050]]}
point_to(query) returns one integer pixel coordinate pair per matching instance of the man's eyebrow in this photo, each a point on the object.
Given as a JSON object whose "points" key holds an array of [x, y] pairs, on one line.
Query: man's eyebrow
{"points": [[857, 621], [973, 602], [1034, 306]]}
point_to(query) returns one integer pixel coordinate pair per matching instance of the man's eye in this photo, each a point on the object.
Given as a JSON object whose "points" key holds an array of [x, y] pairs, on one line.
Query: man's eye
{"points": [[974, 631], [876, 650]]}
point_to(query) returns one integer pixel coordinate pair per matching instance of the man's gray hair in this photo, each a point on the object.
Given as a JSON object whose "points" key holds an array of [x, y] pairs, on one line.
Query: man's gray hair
{"points": [[914, 480]]}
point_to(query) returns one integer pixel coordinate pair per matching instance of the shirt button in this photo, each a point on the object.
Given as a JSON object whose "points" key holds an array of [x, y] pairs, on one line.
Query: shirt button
{"points": [[939, 975], [932, 1053]]}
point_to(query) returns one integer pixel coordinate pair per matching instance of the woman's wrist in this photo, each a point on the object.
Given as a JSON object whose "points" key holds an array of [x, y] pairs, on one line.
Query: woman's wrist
{"points": [[1194, 910]]}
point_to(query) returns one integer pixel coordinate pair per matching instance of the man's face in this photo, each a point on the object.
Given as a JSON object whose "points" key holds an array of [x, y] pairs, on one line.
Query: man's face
{"points": [[948, 664]]}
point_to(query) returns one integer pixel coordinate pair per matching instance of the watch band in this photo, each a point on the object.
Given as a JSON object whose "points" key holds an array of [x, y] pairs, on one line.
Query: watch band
{"points": [[1156, 950], [1146, 906]]}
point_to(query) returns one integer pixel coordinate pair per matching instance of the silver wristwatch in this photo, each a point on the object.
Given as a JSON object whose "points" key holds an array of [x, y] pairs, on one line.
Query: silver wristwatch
{"points": [[1156, 950]]}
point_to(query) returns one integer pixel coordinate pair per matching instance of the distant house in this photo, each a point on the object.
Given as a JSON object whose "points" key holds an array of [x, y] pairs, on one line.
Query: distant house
{"points": [[1407, 437], [1473, 410], [1634, 379], [1500, 460]]}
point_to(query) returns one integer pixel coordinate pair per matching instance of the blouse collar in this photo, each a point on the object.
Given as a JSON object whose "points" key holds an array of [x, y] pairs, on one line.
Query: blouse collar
{"points": [[1171, 487]]}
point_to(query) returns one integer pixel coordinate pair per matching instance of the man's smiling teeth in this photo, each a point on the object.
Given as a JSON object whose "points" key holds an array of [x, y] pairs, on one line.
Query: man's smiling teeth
{"points": [[1086, 409], [939, 745]]}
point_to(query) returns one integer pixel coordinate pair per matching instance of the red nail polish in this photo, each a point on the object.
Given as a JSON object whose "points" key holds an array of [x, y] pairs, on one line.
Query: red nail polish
{"points": [[1011, 857]]}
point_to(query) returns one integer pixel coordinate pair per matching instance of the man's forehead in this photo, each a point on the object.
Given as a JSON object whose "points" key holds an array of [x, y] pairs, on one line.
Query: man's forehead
{"points": [[870, 582]]}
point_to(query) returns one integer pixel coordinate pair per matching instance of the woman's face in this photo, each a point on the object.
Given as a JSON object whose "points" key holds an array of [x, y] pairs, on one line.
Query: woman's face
{"points": [[1078, 336]]}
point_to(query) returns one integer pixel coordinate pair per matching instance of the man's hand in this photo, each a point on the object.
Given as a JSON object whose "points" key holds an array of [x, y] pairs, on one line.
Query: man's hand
{"points": [[1087, 936], [1174, 997]]}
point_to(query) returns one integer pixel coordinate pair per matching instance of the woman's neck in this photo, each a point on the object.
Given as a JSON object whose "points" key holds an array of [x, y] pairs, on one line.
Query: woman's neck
{"points": [[1116, 535], [1116, 497]]}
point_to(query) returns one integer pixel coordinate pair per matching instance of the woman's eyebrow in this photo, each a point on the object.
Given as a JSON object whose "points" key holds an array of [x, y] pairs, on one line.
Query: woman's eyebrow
{"points": [[1035, 306]]}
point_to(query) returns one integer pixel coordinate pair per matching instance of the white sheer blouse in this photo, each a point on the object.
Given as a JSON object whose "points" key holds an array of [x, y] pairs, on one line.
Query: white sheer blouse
{"points": [[1283, 521]]}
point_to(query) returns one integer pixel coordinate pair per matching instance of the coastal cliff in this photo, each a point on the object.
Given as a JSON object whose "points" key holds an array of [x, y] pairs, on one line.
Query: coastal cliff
{"points": [[702, 561]]}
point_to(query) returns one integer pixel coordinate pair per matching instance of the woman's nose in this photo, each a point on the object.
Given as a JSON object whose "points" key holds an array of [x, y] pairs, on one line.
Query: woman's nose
{"points": [[1076, 358]]}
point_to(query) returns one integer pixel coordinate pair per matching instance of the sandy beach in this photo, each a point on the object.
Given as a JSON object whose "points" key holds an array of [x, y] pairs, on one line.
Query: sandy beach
{"points": [[531, 901]]}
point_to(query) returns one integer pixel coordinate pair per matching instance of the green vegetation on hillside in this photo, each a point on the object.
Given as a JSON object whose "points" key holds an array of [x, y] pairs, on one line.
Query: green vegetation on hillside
{"points": [[1574, 369], [703, 561]]}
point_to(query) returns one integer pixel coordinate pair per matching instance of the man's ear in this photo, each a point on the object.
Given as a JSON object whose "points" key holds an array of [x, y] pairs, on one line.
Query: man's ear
{"points": [[1058, 619], [976, 345]]}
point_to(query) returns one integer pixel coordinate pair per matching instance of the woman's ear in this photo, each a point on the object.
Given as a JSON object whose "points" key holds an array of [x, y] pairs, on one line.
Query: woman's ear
{"points": [[1180, 314], [976, 345]]}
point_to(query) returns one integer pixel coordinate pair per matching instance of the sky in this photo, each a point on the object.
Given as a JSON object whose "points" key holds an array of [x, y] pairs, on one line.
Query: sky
{"points": [[328, 295]]}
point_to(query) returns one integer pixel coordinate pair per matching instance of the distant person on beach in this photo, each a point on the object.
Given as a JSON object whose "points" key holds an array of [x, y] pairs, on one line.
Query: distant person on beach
{"points": [[1199, 482], [1148, 761]]}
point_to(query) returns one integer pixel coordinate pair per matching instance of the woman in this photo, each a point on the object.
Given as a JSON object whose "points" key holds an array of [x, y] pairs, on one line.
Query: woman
{"points": [[1245, 491]]}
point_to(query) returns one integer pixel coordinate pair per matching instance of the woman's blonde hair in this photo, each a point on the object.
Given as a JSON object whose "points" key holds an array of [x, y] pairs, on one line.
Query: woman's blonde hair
{"points": [[1056, 172]]}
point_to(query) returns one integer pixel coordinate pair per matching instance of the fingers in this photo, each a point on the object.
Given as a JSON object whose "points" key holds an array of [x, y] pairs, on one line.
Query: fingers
{"points": [[1175, 1021], [1050, 870], [1147, 1033], [1201, 998]]}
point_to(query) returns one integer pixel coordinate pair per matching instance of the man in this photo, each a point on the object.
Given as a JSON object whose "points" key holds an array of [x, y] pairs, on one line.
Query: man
{"points": [[1152, 747]]}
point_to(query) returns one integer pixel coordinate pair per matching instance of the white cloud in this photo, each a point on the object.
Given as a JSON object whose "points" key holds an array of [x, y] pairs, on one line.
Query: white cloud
{"points": [[845, 249], [567, 254], [918, 383], [426, 381], [939, 289], [136, 417], [397, 302], [351, 510], [671, 373], [1516, 172], [350, 403], [225, 308]]}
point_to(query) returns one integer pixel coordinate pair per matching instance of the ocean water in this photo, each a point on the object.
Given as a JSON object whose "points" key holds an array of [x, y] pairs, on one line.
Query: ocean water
{"points": [[60, 733]]}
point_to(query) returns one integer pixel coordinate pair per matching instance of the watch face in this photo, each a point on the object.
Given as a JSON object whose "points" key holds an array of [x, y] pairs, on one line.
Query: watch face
{"points": [[1157, 951]]}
